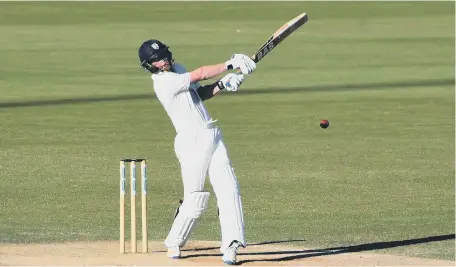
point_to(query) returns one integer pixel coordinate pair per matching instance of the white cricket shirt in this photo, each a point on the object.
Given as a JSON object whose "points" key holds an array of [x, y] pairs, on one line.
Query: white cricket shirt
{"points": [[180, 100]]}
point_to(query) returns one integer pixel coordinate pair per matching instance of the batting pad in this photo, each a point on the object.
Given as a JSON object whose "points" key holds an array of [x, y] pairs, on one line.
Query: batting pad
{"points": [[230, 213], [191, 209]]}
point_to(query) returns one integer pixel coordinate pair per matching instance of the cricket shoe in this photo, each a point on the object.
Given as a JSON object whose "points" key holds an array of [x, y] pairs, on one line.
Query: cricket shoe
{"points": [[229, 255], [174, 252]]}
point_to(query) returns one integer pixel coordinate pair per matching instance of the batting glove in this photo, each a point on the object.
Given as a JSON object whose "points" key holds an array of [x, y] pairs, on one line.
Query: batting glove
{"points": [[242, 62], [231, 82]]}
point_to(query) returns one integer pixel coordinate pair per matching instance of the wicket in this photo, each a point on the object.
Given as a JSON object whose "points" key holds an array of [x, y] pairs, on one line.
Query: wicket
{"points": [[133, 204]]}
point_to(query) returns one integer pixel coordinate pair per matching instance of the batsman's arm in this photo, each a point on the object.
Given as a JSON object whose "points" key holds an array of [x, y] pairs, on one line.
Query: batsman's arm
{"points": [[237, 61], [207, 72], [231, 82], [208, 91]]}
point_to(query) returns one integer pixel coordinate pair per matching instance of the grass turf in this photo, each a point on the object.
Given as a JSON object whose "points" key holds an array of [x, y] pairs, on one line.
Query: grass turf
{"points": [[382, 73]]}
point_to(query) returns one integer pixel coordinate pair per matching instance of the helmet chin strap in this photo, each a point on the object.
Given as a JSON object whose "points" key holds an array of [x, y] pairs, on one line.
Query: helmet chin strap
{"points": [[172, 65]]}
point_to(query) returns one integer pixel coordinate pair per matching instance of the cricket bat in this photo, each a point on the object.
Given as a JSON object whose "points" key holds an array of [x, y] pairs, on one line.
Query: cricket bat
{"points": [[280, 35]]}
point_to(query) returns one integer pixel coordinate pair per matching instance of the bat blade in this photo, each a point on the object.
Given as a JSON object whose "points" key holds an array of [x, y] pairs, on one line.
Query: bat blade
{"points": [[280, 35]]}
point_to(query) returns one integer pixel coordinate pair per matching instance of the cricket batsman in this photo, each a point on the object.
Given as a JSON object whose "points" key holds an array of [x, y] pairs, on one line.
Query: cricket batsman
{"points": [[198, 144]]}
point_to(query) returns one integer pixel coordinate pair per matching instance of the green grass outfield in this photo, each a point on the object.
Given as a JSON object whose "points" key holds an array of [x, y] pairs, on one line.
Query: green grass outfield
{"points": [[73, 101]]}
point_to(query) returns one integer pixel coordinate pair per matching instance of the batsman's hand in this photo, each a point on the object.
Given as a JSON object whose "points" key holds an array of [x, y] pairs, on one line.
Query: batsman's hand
{"points": [[231, 82], [242, 62]]}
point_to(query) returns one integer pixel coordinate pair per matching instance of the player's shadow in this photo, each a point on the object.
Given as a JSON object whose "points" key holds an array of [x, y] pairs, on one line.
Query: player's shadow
{"points": [[301, 254], [212, 248], [302, 89], [250, 245]]}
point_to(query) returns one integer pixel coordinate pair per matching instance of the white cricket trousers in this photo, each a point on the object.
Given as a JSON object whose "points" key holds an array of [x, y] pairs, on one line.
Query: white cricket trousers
{"points": [[203, 153]]}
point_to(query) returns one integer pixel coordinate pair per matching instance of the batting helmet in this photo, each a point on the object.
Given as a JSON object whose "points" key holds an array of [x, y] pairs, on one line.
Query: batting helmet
{"points": [[153, 51]]}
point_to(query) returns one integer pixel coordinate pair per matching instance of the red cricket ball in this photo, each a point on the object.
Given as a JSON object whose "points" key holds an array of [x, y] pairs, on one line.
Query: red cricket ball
{"points": [[324, 124]]}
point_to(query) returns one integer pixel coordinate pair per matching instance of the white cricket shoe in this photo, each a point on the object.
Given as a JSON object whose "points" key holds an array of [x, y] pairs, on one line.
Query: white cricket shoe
{"points": [[174, 252], [229, 255]]}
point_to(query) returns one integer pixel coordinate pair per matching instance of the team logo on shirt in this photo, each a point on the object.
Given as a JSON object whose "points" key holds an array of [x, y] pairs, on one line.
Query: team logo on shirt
{"points": [[155, 46]]}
